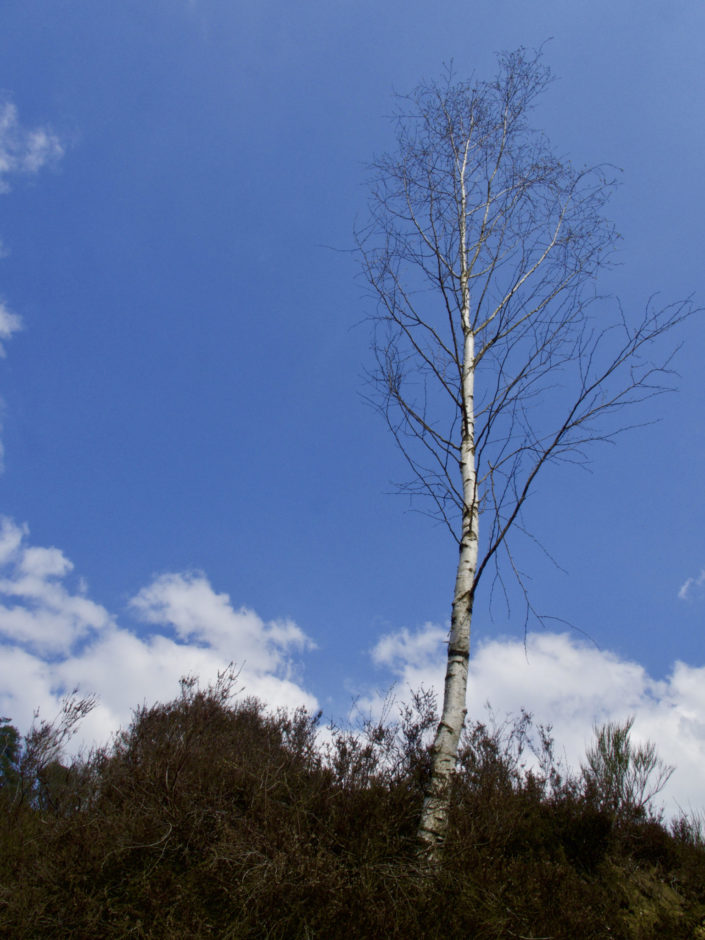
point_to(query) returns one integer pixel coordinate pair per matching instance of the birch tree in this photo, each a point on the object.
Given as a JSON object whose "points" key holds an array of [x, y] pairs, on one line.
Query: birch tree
{"points": [[495, 355]]}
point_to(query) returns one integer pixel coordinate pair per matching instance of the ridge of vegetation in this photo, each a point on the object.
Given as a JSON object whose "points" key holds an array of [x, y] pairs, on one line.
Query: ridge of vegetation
{"points": [[211, 816]]}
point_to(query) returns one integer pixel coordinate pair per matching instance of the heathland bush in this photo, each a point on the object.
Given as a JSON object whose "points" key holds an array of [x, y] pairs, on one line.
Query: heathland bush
{"points": [[211, 816]]}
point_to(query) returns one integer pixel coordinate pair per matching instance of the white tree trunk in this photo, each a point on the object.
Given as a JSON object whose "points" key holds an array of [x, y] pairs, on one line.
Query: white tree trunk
{"points": [[434, 815]]}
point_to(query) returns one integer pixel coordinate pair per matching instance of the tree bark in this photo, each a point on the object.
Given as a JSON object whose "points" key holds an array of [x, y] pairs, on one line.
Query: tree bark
{"points": [[433, 823]]}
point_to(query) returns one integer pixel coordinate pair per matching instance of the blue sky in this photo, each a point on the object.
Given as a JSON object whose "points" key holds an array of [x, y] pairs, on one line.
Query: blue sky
{"points": [[191, 475]]}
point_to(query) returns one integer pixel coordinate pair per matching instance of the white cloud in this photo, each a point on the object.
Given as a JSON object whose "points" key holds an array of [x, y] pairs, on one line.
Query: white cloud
{"points": [[55, 638], [37, 612], [188, 603], [692, 586], [23, 150], [9, 323], [11, 536], [403, 651], [39, 563], [572, 686]]}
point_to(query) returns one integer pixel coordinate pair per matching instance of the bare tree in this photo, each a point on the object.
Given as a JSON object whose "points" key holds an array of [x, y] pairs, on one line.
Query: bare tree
{"points": [[495, 355]]}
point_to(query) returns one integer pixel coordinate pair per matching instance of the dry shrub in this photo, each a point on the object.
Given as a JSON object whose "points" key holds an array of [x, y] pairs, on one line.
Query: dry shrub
{"points": [[211, 816]]}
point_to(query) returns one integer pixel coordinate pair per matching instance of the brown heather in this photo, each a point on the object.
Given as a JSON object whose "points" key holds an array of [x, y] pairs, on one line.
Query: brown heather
{"points": [[213, 817]]}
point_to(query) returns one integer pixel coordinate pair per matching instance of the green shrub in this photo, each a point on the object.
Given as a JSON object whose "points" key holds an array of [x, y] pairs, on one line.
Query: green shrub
{"points": [[620, 777]]}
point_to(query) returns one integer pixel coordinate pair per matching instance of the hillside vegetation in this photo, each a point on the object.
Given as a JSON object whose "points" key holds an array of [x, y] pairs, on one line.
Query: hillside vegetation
{"points": [[211, 816]]}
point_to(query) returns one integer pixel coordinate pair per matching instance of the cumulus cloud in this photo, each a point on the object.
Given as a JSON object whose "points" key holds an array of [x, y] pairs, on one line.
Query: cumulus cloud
{"points": [[188, 603], [407, 653], [54, 638], [37, 611], [571, 686], [692, 587], [24, 150]]}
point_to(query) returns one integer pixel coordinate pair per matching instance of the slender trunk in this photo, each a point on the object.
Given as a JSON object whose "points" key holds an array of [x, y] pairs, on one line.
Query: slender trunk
{"points": [[433, 824], [434, 815]]}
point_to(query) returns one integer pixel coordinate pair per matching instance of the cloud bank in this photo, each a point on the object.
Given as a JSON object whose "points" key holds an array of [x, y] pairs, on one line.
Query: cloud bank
{"points": [[571, 686], [55, 638]]}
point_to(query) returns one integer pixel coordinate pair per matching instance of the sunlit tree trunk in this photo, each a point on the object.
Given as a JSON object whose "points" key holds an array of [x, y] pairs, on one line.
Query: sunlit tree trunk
{"points": [[434, 817]]}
